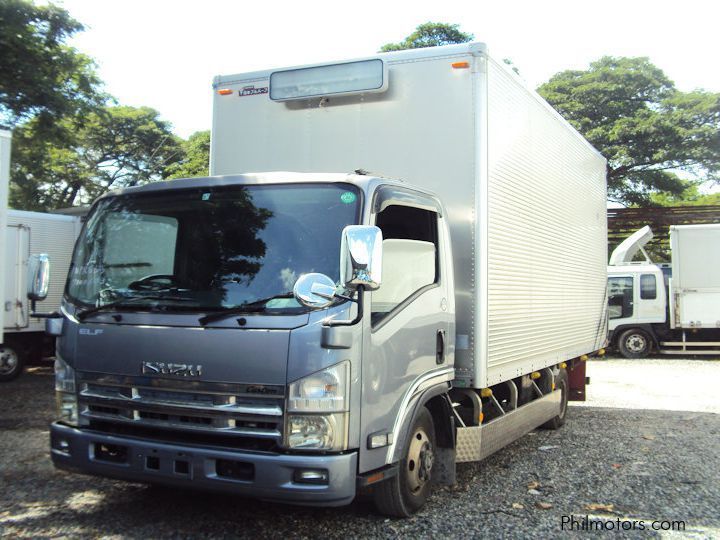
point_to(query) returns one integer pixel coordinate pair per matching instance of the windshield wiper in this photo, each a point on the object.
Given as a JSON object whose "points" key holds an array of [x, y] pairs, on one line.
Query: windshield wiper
{"points": [[81, 315], [248, 307]]}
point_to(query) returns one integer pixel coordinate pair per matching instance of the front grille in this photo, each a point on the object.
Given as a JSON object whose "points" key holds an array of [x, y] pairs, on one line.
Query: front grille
{"points": [[232, 411]]}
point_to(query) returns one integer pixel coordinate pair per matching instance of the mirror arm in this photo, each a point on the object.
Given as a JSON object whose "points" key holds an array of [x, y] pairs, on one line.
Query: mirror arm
{"points": [[359, 301], [34, 315], [348, 298]]}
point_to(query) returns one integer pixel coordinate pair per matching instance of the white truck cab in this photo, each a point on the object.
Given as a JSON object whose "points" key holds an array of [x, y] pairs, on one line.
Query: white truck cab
{"points": [[636, 299], [636, 296]]}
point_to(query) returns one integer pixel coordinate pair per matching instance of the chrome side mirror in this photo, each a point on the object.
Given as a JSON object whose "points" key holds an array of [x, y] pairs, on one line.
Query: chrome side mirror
{"points": [[361, 257], [314, 290], [38, 277]]}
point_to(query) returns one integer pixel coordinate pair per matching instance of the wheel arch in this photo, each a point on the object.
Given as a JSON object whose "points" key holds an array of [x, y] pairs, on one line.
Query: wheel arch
{"points": [[437, 401]]}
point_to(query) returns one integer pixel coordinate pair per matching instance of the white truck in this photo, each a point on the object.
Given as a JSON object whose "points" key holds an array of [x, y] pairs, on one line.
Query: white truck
{"points": [[26, 234], [671, 309], [6, 358], [300, 336]]}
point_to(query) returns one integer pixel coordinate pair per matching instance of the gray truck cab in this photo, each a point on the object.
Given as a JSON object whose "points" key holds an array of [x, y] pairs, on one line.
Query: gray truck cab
{"points": [[241, 333]]}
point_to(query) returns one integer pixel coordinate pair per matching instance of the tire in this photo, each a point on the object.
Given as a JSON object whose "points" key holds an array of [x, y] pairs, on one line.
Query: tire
{"points": [[564, 386], [12, 362], [406, 492], [634, 343]]}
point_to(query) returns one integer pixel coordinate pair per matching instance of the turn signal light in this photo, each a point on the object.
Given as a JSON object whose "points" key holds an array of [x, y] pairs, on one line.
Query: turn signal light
{"points": [[461, 65], [225, 91], [375, 478]]}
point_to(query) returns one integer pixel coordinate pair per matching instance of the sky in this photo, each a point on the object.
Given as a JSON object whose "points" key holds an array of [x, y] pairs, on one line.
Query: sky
{"points": [[165, 53]]}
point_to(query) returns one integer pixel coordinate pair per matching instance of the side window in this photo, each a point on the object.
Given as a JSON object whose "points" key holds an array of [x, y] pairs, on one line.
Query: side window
{"points": [[648, 287], [410, 256], [620, 297]]}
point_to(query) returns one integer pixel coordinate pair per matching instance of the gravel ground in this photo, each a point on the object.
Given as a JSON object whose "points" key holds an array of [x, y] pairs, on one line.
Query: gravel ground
{"points": [[646, 446]]}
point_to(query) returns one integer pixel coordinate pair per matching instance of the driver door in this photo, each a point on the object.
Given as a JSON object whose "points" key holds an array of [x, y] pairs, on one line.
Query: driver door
{"points": [[409, 323]]}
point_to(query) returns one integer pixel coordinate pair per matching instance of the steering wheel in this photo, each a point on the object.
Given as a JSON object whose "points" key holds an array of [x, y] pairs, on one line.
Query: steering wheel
{"points": [[153, 282]]}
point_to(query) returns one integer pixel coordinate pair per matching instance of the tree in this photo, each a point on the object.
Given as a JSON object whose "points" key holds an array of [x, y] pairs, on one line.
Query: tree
{"points": [[115, 147], [40, 75], [647, 129], [196, 157], [430, 34], [691, 196]]}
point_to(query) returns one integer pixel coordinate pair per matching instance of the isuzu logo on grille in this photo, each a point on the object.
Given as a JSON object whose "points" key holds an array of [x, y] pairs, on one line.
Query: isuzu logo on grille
{"points": [[167, 368]]}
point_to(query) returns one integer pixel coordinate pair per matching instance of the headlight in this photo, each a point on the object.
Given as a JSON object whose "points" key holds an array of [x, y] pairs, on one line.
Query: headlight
{"points": [[317, 431], [323, 392], [65, 396]]}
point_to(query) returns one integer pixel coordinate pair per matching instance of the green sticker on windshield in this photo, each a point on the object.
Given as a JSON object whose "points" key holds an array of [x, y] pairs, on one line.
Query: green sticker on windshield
{"points": [[348, 197]]}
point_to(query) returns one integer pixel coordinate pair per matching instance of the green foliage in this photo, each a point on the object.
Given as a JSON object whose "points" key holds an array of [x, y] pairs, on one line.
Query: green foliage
{"points": [[691, 196], [40, 76], [646, 128], [430, 34], [196, 157], [114, 147]]}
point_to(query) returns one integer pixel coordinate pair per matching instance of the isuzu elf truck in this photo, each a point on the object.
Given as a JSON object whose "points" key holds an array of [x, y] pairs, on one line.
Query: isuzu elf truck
{"points": [[397, 264]]}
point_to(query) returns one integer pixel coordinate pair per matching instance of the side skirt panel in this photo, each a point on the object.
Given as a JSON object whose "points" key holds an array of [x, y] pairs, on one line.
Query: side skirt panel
{"points": [[478, 442]]}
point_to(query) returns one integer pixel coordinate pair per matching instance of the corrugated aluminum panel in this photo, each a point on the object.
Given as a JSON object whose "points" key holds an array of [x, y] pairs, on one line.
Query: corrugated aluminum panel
{"points": [[546, 235], [51, 234]]}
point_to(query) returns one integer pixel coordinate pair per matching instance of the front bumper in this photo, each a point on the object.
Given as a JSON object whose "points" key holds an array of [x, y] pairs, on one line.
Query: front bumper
{"points": [[262, 476]]}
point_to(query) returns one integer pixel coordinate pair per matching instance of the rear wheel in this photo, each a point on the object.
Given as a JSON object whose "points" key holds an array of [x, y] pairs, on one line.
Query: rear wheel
{"points": [[405, 493], [561, 385], [634, 343], [12, 361]]}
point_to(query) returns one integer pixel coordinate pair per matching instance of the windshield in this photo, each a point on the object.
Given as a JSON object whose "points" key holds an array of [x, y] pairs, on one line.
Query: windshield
{"points": [[211, 248]]}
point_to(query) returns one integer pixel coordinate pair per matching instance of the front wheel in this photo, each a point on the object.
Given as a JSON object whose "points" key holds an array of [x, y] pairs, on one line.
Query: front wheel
{"points": [[634, 343], [405, 493], [12, 361]]}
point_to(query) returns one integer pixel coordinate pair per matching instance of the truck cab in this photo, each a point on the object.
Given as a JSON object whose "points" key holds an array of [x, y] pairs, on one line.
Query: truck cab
{"points": [[637, 299], [637, 296], [213, 335]]}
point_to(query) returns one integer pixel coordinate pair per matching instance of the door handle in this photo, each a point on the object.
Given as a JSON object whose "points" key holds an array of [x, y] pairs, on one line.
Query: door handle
{"points": [[440, 347]]}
